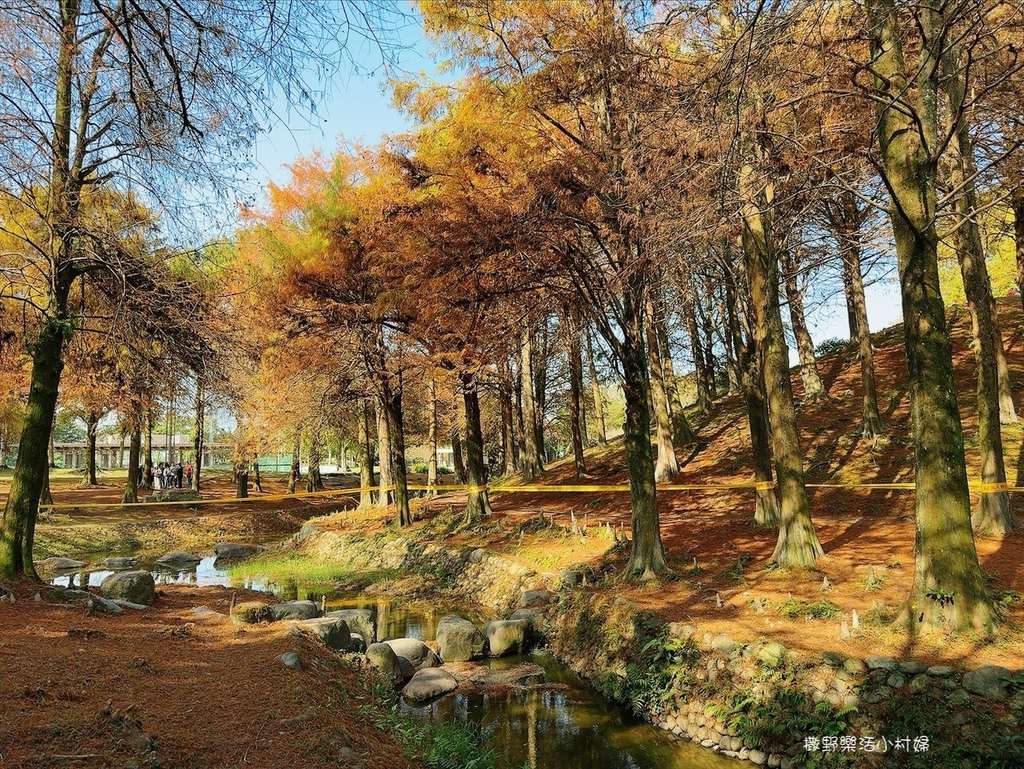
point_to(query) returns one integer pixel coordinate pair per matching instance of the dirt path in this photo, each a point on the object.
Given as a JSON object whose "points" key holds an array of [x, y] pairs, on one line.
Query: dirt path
{"points": [[207, 693]]}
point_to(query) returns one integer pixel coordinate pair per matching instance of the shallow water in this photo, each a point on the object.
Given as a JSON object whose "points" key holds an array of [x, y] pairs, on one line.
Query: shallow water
{"points": [[204, 573], [574, 728]]}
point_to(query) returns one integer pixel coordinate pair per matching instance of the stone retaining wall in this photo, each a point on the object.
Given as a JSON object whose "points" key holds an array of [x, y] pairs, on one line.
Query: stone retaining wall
{"points": [[759, 701]]}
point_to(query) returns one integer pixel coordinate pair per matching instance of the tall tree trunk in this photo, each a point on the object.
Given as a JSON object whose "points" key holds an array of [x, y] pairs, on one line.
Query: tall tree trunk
{"points": [[131, 487], [313, 480], [847, 225], [648, 555], [681, 432], [147, 481], [295, 468], [575, 358], [666, 465], [198, 439], [541, 353], [948, 590], [700, 373], [366, 480], [814, 390], [396, 442], [478, 502], [241, 478], [797, 544], [708, 343], [383, 456], [92, 421], [533, 460], [993, 515], [595, 390], [748, 358], [1007, 411], [31, 471], [432, 436], [509, 454], [1017, 204], [122, 435]]}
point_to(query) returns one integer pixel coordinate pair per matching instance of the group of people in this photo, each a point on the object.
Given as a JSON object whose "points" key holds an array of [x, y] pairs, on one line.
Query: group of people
{"points": [[167, 475]]}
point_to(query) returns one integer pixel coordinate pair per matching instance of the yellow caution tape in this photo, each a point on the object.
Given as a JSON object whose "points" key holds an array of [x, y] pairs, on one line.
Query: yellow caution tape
{"points": [[216, 501], [984, 488], [993, 488]]}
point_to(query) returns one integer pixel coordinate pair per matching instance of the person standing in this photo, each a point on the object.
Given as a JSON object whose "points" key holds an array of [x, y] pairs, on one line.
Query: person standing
{"points": [[188, 473]]}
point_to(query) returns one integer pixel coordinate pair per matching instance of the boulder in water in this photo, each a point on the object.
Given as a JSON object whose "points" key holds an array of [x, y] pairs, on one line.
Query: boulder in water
{"points": [[231, 550], [459, 639], [415, 651], [179, 558], [429, 683], [534, 621], [507, 636], [383, 658], [295, 610], [359, 621]]}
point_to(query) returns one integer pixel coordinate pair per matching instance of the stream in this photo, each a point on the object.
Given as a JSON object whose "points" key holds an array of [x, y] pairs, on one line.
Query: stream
{"points": [[568, 728]]}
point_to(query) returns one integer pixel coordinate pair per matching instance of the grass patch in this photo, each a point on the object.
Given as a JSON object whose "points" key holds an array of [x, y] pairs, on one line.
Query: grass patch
{"points": [[793, 609], [294, 567]]}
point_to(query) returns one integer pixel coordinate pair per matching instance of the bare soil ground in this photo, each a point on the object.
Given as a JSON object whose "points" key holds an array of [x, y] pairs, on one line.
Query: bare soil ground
{"points": [[214, 697], [202, 692]]}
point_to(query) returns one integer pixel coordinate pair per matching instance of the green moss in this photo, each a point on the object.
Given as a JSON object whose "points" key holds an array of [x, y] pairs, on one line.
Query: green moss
{"points": [[320, 574]]}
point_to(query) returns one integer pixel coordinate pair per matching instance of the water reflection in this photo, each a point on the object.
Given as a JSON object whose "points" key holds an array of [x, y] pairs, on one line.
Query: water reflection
{"points": [[203, 574], [570, 728], [567, 728]]}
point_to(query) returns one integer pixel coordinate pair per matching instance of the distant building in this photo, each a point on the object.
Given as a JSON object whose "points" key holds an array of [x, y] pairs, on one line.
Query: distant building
{"points": [[111, 452]]}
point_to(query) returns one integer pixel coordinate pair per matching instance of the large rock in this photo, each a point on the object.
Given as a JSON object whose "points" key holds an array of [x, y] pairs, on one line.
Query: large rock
{"points": [[330, 631], [230, 550], [179, 558], [507, 636], [251, 612], [415, 651], [101, 604], [429, 683], [534, 621], [533, 599], [459, 639], [383, 658], [570, 578], [359, 621], [59, 564], [295, 610], [173, 495], [135, 586], [120, 562], [988, 681]]}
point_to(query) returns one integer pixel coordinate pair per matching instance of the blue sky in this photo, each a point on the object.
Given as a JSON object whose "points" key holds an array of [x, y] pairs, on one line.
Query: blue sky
{"points": [[357, 109]]}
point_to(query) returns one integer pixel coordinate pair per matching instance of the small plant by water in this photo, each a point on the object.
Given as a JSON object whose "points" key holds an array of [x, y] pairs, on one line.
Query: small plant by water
{"points": [[447, 745]]}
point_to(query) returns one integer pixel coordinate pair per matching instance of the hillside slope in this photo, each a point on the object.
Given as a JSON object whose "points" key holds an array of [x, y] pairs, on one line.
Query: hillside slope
{"points": [[868, 535]]}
